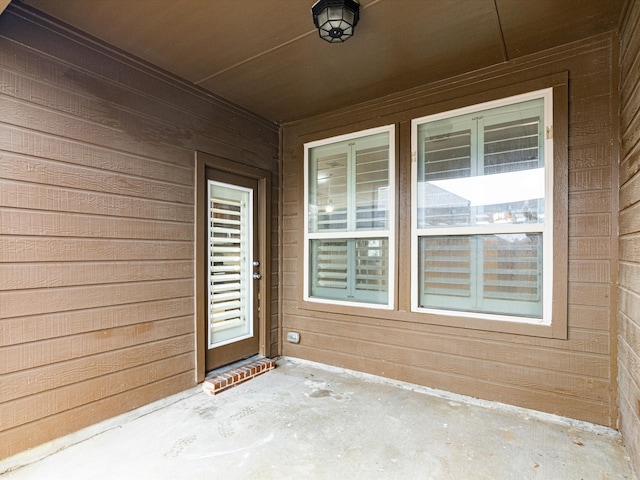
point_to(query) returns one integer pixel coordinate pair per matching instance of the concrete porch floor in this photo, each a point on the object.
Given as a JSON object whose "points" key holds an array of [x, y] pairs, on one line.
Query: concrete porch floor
{"points": [[303, 420]]}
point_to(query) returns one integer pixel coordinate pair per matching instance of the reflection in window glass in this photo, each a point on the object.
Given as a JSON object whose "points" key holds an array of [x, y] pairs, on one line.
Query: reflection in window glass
{"points": [[349, 218], [479, 216], [482, 169], [349, 184], [497, 274], [353, 269]]}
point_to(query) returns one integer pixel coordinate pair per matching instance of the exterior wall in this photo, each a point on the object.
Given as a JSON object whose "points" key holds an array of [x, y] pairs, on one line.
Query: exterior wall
{"points": [[575, 376], [97, 227], [629, 278]]}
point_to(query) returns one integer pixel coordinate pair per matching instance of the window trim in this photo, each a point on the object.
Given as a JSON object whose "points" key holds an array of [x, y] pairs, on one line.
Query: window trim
{"points": [[546, 228], [389, 233]]}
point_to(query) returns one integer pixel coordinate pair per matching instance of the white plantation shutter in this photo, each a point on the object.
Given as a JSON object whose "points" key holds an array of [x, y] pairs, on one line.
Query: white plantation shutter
{"points": [[229, 256], [351, 187], [449, 155], [479, 217], [352, 268], [332, 192], [372, 267], [511, 268], [349, 210], [512, 264], [448, 269], [493, 273], [512, 146], [446, 157], [371, 188], [331, 265]]}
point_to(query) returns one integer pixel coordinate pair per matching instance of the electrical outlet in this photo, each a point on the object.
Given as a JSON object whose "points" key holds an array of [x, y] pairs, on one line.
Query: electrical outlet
{"points": [[293, 337]]}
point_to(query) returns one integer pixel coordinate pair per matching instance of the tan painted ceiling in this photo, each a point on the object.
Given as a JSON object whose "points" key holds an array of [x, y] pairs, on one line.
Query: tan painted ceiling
{"points": [[266, 56]]}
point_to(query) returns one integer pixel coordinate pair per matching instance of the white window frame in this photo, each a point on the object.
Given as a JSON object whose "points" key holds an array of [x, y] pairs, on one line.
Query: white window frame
{"points": [[546, 228], [389, 233]]}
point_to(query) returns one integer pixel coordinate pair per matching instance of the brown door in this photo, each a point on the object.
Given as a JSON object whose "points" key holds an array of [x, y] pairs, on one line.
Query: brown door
{"points": [[233, 268]]}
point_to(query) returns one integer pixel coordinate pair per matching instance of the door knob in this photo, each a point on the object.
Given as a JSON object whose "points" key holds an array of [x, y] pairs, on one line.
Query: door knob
{"points": [[257, 276]]}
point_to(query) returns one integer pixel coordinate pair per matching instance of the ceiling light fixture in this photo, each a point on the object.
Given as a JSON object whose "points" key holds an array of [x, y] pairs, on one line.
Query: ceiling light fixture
{"points": [[335, 19]]}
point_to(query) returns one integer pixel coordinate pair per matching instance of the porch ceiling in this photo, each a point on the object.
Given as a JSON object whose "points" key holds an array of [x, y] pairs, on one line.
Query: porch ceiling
{"points": [[266, 56]]}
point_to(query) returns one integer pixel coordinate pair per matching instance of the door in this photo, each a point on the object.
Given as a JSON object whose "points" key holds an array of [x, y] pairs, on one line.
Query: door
{"points": [[233, 268]]}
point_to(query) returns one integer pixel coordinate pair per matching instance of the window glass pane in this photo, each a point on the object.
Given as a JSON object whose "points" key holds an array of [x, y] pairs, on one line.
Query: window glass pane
{"points": [[230, 246], [372, 187], [349, 185], [350, 269], [482, 168], [500, 274], [328, 189], [512, 272], [512, 146], [349, 211], [446, 271], [329, 261], [372, 268], [447, 155]]}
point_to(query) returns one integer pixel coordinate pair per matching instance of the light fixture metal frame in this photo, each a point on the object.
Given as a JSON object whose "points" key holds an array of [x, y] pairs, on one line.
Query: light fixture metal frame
{"points": [[335, 19]]}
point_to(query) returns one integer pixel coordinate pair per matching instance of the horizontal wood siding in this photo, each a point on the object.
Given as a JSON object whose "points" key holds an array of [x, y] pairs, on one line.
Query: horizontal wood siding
{"points": [[575, 376], [629, 311], [97, 227]]}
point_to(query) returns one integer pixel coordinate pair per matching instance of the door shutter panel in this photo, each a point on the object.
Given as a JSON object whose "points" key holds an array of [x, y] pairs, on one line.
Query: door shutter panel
{"points": [[228, 257]]}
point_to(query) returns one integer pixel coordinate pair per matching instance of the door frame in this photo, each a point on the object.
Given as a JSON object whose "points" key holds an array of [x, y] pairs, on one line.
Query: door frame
{"points": [[203, 161]]}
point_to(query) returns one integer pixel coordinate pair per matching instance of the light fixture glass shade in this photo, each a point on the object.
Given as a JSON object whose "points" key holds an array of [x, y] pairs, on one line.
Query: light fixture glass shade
{"points": [[335, 19]]}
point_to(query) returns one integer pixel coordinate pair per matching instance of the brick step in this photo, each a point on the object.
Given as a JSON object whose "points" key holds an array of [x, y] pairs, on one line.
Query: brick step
{"points": [[224, 380]]}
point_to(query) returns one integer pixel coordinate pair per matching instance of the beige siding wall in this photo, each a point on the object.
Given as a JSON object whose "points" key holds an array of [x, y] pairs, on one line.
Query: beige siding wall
{"points": [[576, 376], [97, 227], [629, 313]]}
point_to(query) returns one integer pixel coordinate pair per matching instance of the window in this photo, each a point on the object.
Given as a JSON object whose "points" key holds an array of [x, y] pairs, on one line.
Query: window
{"points": [[482, 210], [485, 241], [349, 218]]}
